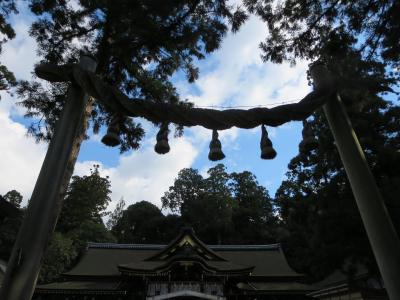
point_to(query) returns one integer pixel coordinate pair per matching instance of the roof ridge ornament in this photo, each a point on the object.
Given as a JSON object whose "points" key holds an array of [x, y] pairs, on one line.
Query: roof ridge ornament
{"points": [[186, 235]]}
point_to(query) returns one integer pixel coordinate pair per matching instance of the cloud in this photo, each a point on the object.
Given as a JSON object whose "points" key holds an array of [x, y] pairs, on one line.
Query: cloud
{"points": [[238, 77], [144, 175], [20, 158], [140, 175], [19, 55]]}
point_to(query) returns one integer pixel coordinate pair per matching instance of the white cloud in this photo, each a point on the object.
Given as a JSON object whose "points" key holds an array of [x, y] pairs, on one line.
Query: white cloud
{"points": [[236, 76], [19, 55], [20, 158], [145, 175], [240, 78], [141, 175]]}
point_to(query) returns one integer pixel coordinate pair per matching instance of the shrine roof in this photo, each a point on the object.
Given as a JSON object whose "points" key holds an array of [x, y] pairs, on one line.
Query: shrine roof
{"points": [[107, 259], [162, 246], [159, 267], [268, 260]]}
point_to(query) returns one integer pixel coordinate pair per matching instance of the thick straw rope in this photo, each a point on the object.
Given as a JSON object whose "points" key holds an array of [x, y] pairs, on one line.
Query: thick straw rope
{"points": [[157, 112]]}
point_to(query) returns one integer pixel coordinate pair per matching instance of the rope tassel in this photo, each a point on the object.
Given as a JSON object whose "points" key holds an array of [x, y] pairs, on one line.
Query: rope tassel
{"points": [[267, 151], [162, 146], [215, 148], [112, 136], [309, 142]]}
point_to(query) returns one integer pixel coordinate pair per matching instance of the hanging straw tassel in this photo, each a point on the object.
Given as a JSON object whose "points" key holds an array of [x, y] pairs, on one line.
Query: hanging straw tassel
{"points": [[309, 142], [112, 137], [267, 151], [162, 146], [215, 148]]}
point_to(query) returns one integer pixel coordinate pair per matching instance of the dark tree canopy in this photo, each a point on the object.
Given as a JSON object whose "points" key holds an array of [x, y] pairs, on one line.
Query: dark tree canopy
{"points": [[302, 29], [60, 254], [116, 215], [140, 223], [80, 222], [358, 40], [86, 199], [223, 207], [253, 217], [317, 208], [14, 197], [143, 222], [7, 7], [10, 220], [84, 206], [138, 46]]}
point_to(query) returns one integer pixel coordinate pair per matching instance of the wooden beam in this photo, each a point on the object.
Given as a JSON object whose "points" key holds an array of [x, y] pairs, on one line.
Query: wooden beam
{"points": [[45, 203]]}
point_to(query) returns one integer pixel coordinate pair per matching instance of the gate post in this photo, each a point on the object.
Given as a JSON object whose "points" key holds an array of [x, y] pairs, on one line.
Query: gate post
{"points": [[45, 204], [378, 225]]}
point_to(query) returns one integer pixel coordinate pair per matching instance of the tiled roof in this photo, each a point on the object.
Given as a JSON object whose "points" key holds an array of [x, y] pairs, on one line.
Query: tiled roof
{"points": [[161, 246], [108, 259], [269, 260]]}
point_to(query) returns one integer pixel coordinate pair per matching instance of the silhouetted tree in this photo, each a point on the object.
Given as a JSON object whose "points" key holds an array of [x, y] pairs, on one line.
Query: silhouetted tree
{"points": [[14, 197], [7, 7]]}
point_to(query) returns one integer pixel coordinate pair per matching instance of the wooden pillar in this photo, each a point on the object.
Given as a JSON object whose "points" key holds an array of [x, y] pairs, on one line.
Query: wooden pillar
{"points": [[45, 203], [378, 225]]}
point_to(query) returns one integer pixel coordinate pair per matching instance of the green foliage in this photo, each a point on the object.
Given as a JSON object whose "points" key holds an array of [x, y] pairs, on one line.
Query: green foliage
{"points": [[187, 187], [212, 210], [321, 222], [205, 204], [7, 7], [59, 255], [10, 221], [304, 29], [171, 225], [253, 217], [116, 215], [8, 233], [358, 40], [14, 197], [222, 208], [86, 199], [80, 222], [89, 231], [138, 46], [141, 222], [144, 222]]}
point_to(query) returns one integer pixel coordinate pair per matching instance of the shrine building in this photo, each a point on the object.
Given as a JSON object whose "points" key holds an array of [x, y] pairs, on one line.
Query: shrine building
{"points": [[186, 268]]}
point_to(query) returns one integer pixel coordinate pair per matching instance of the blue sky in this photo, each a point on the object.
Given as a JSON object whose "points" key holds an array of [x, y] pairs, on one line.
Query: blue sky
{"points": [[232, 76]]}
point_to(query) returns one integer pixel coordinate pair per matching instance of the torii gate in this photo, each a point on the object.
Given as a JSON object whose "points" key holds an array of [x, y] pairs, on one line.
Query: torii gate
{"points": [[45, 203]]}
